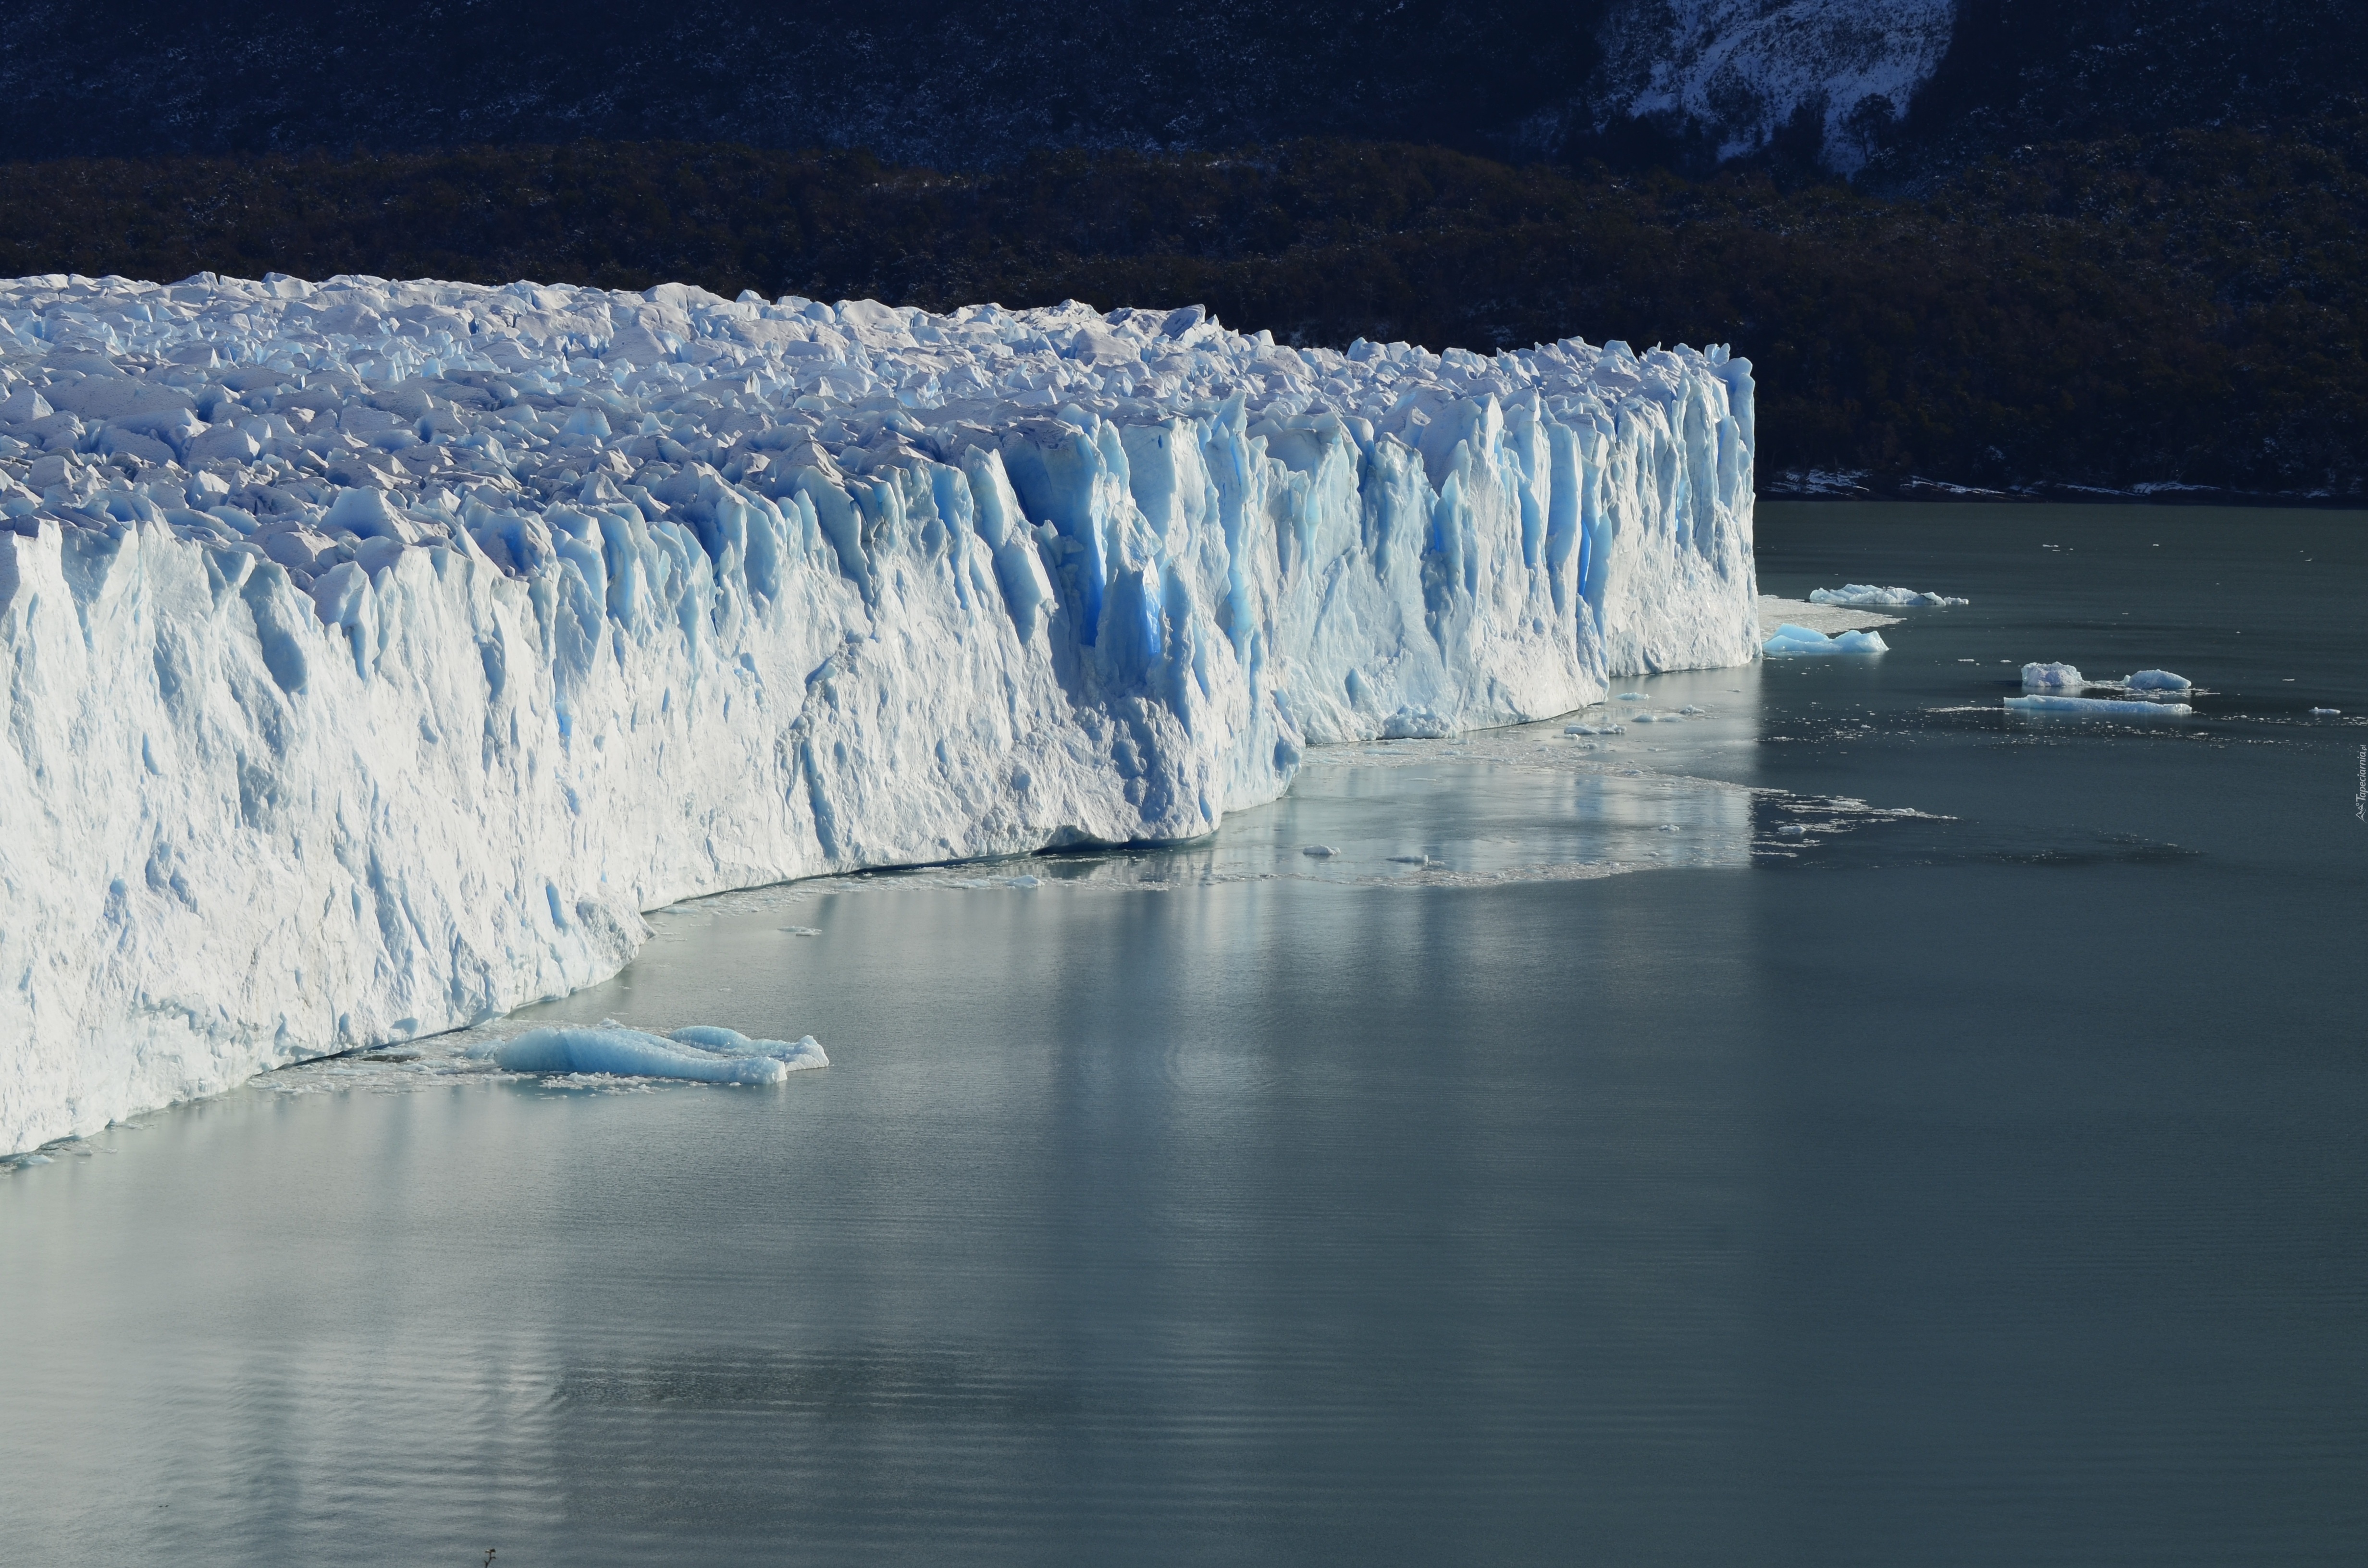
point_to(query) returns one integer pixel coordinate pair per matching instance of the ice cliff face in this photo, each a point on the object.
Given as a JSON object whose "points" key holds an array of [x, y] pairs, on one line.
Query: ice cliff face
{"points": [[373, 653], [1742, 69]]}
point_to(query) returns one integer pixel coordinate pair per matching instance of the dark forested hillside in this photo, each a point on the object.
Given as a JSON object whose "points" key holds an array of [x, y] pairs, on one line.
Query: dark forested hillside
{"points": [[972, 83], [2186, 310], [954, 82]]}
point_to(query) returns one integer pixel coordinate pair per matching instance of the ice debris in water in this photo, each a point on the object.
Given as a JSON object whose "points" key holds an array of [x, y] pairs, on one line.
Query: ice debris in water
{"points": [[1320, 851], [702, 1053], [1795, 642], [2052, 677], [2157, 680], [2094, 707], [1866, 596], [2326, 713], [380, 651]]}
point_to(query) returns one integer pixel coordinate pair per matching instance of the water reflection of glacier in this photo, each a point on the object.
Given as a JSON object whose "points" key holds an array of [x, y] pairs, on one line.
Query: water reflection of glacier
{"points": [[1523, 805]]}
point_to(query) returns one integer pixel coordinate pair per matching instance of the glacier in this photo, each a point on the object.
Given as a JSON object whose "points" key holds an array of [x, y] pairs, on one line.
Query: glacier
{"points": [[376, 652]]}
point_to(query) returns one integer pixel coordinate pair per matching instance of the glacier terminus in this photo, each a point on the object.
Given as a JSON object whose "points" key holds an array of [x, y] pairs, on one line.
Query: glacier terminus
{"points": [[372, 654]]}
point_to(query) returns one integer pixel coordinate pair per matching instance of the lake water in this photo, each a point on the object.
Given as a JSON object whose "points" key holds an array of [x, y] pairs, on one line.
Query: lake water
{"points": [[1978, 1175]]}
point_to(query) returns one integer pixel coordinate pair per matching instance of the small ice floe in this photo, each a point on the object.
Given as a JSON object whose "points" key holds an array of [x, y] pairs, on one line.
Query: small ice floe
{"points": [[1649, 717], [1866, 596], [1603, 729], [1798, 641], [797, 1055], [801, 930], [2052, 677], [2096, 707], [1410, 859], [1632, 697], [1690, 711], [1791, 829], [2157, 680], [1320, 851], [2326, 712], [1026, 882], [1669, 827], [700, 1054]]}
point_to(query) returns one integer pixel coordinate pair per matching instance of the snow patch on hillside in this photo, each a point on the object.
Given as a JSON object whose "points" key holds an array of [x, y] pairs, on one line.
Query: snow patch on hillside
{"points": [[1740, 70]]}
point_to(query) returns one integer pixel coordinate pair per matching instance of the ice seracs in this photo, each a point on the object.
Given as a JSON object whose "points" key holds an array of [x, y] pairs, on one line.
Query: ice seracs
{"points": [[375, 652]]}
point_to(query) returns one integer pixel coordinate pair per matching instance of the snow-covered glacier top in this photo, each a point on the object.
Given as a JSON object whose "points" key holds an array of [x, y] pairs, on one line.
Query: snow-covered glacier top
{"points": [[268, 400], [373, 653]]}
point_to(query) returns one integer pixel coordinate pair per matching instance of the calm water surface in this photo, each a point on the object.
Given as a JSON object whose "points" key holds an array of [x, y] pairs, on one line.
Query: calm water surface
{"points": [[1977, 1175]]}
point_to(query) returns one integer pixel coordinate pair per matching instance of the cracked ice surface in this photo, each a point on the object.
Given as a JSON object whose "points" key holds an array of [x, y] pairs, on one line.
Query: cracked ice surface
{"points": [[376, 652]]}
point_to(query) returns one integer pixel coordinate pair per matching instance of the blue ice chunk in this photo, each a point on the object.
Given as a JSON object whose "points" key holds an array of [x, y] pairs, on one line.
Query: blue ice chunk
{"points": [[794, 1054], [2095, 707], [626, 1054], [1796, 642], [2158, 681]]}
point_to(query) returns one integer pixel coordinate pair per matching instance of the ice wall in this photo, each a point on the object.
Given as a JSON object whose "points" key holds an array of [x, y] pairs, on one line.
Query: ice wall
{"points": [[375, 652]]}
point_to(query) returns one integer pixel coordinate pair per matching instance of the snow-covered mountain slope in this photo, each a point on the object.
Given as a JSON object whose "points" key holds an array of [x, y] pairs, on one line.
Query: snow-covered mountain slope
{"points": [[372, 654], [1740, 70]]}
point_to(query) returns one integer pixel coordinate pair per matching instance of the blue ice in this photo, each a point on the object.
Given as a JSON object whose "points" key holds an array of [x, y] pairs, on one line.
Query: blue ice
{"points": [[1794, 642], [795, 1054], [2094, 706], [700, 1054]]}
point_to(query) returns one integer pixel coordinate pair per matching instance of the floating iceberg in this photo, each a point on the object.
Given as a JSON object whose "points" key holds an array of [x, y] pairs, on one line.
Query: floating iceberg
{"points": [[798, 1055], [2159, 680], [2052, 677], [1866, 596], [1794, 641], [2094, 706], [701, 1054], [372, 654]]}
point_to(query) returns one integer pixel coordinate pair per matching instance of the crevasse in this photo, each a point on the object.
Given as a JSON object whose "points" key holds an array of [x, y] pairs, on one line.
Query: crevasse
{"points": [[377, 653]]}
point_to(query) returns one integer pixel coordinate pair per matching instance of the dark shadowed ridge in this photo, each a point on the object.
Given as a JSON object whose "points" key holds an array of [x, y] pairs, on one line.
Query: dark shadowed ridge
{"points": [[2186, 310], [950, 84], [971, 84]]}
